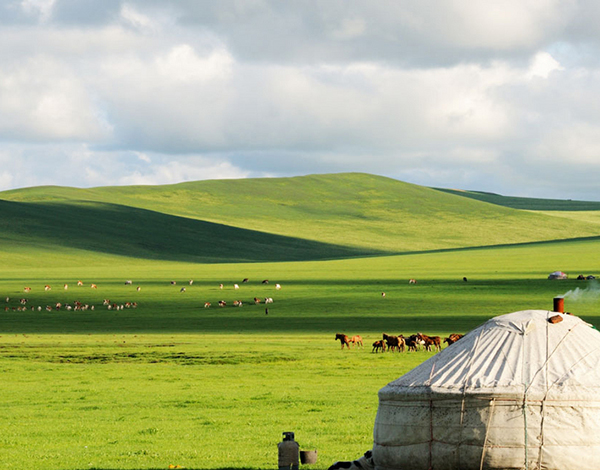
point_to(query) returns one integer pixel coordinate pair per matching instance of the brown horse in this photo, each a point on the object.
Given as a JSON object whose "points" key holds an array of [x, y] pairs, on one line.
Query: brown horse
{"points": [[357, 340], [429, 341], [343, 339]]}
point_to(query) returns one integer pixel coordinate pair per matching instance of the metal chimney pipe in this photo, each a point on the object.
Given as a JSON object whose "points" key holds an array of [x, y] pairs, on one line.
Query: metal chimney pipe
{"points": [[559, 304]]}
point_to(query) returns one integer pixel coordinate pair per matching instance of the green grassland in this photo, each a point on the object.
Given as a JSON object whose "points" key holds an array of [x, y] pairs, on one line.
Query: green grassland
{"points": [[173, 383], [342, 215]]}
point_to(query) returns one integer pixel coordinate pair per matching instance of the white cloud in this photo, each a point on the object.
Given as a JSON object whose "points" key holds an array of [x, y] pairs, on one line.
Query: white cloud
{"points": [[542, 65], [431, 90], [42, 9]]}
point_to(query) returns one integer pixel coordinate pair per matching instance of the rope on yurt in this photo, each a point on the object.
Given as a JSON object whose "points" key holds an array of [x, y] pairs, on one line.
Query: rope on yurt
{"points": [[487, 432], [462, 404], [525, 430]]}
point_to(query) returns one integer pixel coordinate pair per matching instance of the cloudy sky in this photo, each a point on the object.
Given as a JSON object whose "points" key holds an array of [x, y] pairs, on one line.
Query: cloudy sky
{"points": [[499, 96]]}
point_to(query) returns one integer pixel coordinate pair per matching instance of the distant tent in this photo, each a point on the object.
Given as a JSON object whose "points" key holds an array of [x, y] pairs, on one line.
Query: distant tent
{"points": [[519, 392], [557, 275]]}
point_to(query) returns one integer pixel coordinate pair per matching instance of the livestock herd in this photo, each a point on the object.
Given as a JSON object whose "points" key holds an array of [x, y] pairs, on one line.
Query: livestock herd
{"points": [[400, 343], [24, 304]]}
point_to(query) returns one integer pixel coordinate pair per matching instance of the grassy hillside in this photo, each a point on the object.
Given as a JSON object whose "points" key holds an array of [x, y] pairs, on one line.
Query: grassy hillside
{"points": [[101, 228], [527, 203], [312, 217]]}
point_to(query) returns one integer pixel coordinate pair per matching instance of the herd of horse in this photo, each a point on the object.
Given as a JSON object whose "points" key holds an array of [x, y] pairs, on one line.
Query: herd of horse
{"points": [[400, 343]]}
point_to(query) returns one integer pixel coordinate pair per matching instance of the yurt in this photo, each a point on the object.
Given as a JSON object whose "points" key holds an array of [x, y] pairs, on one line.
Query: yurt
{"points": [[521, 391]]}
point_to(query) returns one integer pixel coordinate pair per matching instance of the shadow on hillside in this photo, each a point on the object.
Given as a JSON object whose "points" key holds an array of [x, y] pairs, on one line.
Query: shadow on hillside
{"points": [[126, 231]]}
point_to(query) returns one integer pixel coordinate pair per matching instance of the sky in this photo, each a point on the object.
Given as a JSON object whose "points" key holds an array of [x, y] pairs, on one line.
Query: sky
{"points": [[500, 96]]}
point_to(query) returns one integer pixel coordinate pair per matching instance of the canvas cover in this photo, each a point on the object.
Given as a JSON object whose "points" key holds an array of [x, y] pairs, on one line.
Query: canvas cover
{"points": [[518, 392]]}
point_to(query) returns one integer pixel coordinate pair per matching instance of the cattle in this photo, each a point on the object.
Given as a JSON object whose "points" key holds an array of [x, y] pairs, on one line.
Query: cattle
{"points": [[79, 283], [26, 289], [128, 282], [237, 303], [173, 283], [383, 294], [378, 345], [277, 286], [256, 300], [94, 286], [138, 288], [265, 281], [268, 300], [222, 303], [191, 281], [182, 289], [66, 286], [412, 281], [430, 341], [221, 286], [465, 279], [235, 286], [357, 340], [245, 280], [47, 287], [206, 304], [344, 340], [453, 338]]}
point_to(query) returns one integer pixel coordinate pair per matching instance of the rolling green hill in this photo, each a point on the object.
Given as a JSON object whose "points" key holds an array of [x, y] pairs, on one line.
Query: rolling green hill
{"points": [[269, 219], [527, 203]]}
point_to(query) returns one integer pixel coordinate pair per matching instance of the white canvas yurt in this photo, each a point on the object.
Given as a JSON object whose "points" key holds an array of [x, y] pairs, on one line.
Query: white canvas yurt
{"points": [[518, 392]]}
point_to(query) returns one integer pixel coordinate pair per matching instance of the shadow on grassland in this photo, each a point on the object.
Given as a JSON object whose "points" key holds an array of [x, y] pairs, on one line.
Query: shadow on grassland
{"points": [[126, 231]]}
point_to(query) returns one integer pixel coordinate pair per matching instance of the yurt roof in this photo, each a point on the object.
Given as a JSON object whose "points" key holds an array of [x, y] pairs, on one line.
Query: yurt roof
{"points": [[514, 354]]}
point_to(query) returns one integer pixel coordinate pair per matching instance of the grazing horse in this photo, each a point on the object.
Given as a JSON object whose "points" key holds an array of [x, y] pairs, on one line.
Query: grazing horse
{"points": [[413, 342], [453, 338], [357, 340], [430, 341], [378, 345], [343, 339], [394, 342]]}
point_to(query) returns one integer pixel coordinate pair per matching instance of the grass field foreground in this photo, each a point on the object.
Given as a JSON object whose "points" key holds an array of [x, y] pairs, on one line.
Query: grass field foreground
{"points": [[173, 383]]}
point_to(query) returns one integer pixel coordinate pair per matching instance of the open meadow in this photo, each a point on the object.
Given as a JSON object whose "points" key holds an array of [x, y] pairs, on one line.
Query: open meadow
{"points": [[173, 383], [165, 381]]}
